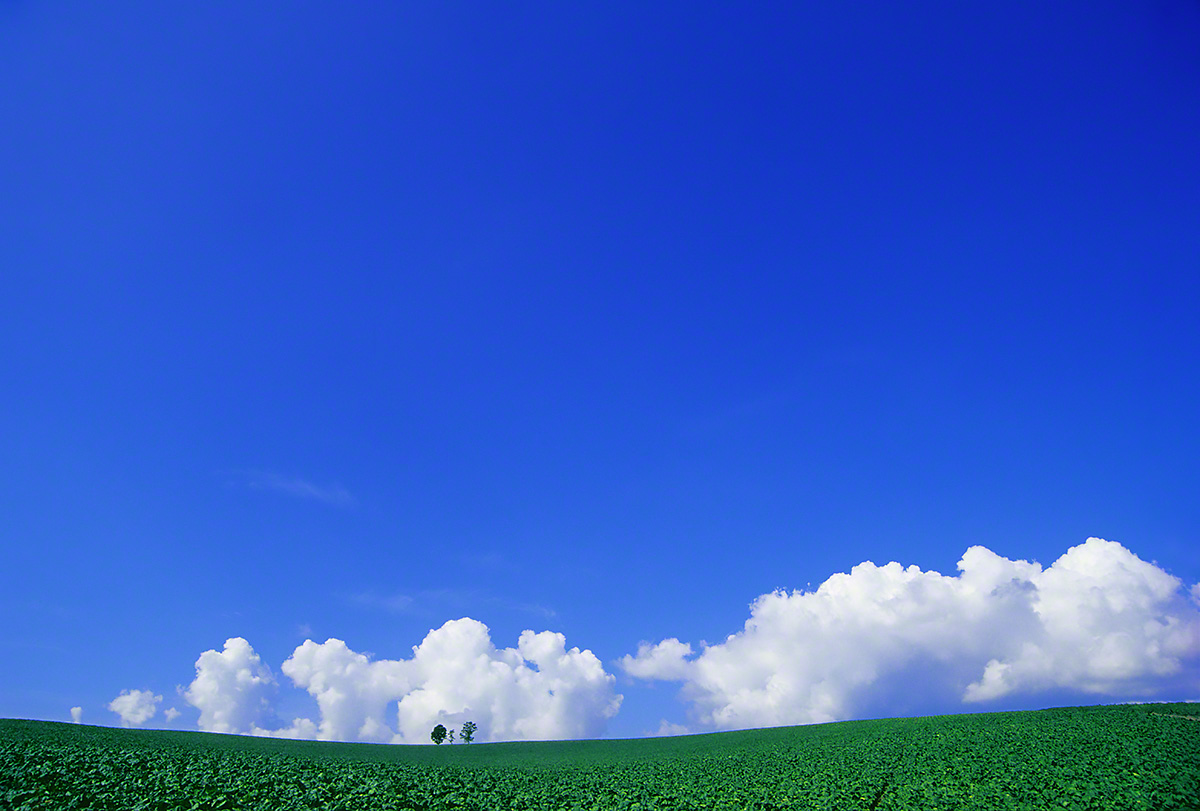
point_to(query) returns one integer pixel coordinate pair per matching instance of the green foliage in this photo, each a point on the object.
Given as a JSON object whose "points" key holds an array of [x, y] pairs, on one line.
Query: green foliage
{"points": [[468, 731], [1120, 757], [439, 734]]}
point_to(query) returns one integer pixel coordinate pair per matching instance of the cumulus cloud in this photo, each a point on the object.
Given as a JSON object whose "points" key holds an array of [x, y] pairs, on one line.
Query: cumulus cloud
{"points": [[1100, 620], [667, 660], [77, 715], [538, 690], [1110, 623], [135, 707], [232, 688], [171, 714], [667, 729], [300, 729]]}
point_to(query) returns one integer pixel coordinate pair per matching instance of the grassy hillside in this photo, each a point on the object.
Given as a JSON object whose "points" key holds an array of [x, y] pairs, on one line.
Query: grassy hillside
{"points": [[1135, 756]]}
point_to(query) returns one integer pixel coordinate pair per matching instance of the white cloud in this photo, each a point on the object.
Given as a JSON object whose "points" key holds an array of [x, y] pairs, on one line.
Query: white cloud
{"points": [[77, 715], [1110, 623], [300, 729], [232, 688], [135, 707], [667, 728], [538, 690], [667, 661], [171, 714], [1099, 620]]}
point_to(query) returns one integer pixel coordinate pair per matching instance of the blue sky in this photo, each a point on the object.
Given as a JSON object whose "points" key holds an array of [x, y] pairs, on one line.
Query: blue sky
{"points": [[330, 321]]}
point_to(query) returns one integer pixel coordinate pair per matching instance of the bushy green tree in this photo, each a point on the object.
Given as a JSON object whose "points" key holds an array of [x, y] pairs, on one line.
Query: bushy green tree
{"points": [[468, 731], [439, 734]]}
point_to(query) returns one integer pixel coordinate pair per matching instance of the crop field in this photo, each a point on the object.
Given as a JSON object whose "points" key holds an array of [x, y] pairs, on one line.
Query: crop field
{"points": [[1131, 756]]}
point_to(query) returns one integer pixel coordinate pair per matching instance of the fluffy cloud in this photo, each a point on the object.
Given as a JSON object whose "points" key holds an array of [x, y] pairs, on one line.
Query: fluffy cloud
{"points": [[232, 688], [1099, 620], [667, 729], [300, 729], [171, 714], [667, 660], [135, 707], [1110, 623], [77, 715], [538, 690]]}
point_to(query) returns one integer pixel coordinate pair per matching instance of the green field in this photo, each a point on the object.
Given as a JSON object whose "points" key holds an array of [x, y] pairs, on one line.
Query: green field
{"points": [[1130, 756]]}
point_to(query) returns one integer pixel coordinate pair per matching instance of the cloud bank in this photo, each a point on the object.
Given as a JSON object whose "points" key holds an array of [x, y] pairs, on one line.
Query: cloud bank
{"points": [[1098, 621], [539, 690], [135, 707], [879, 640]]}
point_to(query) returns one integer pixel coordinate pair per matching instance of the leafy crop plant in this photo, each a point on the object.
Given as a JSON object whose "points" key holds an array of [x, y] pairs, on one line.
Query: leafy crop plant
{"points": [[1114, 757]]}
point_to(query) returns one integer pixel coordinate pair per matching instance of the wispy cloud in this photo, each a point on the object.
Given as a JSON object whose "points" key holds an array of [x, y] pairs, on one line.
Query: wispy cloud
{"points": [[441, 601], [488, 561], [395, 603], [332, 494]]}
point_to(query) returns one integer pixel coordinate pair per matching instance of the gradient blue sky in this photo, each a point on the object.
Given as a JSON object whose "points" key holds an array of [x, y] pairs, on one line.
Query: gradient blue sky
{"points": [[350, 319]]}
